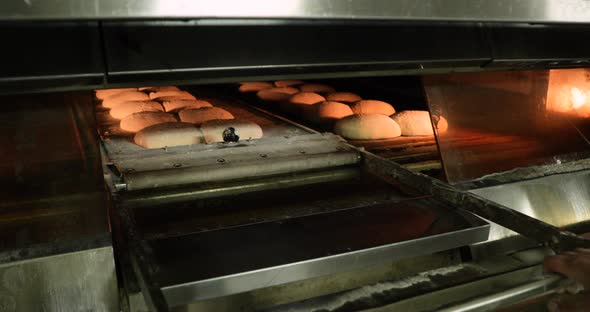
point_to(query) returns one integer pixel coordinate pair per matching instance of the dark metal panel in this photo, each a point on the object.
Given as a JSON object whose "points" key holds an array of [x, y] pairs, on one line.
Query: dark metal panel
{"points": [[187, 50], [279, 252], [50, 55], [539, 46], [50, 174]]}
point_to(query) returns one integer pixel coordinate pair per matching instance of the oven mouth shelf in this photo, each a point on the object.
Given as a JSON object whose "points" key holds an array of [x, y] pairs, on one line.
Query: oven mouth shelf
{"points": [[233, 260]]}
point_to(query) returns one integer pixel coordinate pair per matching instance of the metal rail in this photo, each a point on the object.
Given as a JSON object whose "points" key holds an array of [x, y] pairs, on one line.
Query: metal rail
{"points": [[534, 11], [557, 239]]}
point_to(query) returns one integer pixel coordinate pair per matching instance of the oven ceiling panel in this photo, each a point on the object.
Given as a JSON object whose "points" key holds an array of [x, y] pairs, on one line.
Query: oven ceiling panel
{"points": [[190, 50], [50, 55], [524, 45]]}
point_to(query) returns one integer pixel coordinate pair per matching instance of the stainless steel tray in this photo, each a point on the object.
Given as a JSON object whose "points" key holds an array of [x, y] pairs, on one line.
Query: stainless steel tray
{"points": [[244, 258]]}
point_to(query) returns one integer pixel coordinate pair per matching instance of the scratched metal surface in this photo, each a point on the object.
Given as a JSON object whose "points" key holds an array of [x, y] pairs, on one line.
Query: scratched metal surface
{"points": [[560, 200], [78, 281], [547, 11]]}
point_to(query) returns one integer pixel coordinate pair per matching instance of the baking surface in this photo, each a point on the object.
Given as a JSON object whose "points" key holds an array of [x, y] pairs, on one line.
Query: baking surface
{"points": [[119, 142], [419, 153]]}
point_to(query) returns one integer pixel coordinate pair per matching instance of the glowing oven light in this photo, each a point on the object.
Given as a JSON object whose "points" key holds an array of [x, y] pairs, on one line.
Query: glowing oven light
{"points": [[578, 98]]}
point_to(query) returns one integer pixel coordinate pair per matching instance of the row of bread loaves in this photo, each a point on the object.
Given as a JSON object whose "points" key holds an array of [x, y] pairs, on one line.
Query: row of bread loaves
{"points": [[155, 123], [321, 104]]}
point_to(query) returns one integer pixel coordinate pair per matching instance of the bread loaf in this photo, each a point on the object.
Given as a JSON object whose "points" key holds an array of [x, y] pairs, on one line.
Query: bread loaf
{"points": [[367, 127], [126, 96], [276, 94], [329, 111], [102, 94], [171, 95], [372, 107], [198, 116], [168, 134], [137, 121], [158, 89], [414, 122], [254, 86], [176, 105], [316, 87], [125, 109], [344, 97], [288, 83], [298, 101]]}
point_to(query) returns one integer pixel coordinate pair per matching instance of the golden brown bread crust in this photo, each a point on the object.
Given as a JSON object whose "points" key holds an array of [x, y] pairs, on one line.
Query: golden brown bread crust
{"points": [[276, 94], [125, 96], [306, 98], [367, 127], [125, 109], [137, 121], [254, 86], [373, 107], [102, 94], [316, 87], [198, 116], [177, 105], [417, 123], [331, 110], [160, 88], [168, 134], [345, 97], [288, 83], [169, 95]]}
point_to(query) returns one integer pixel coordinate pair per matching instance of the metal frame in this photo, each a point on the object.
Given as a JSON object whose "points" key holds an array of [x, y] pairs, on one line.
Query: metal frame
{"points": [[417, 183], [247, 281], [534, 11]]}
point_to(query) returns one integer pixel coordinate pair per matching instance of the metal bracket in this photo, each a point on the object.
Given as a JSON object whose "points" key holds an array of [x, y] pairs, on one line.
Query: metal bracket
{"points": [[414, 182]]}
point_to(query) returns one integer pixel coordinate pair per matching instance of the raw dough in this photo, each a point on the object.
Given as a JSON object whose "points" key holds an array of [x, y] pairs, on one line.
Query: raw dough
{"points": [[329, 111], [288, 83], [160, 88], [299, 101], [246, 130], [168, 134], [171, 95], [125, 109], [254, 86], [373, 107], [138, 121], [102, 94], [125, 96], [316, 87], [367, 127], [276, 94], [176, 105], [346, 97], [413, 122], [198, 116]]}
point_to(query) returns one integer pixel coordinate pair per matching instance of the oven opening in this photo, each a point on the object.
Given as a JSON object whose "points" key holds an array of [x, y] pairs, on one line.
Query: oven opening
{"points": [[455, 127], [278, 161]]}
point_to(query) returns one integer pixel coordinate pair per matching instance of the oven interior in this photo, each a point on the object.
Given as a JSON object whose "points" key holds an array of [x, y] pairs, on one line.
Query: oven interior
{"points": [[208, 221]]}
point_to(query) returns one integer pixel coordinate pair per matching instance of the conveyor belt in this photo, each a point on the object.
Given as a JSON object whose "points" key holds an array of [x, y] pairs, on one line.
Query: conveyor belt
{"points": [[418, 153], [284, 148]]}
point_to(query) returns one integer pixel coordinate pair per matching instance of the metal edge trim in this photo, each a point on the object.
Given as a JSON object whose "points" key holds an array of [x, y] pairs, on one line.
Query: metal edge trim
{"points": [[221, 286]]}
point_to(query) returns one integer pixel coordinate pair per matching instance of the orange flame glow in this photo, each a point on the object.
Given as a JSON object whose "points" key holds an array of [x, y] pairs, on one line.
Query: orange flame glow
{"points": [[578, 98], [569, 92]]}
